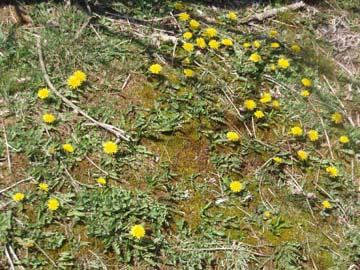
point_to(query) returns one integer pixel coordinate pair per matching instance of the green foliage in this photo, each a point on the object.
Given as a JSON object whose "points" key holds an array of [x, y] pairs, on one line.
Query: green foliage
{"points": [[111, 213], [289, 256]]}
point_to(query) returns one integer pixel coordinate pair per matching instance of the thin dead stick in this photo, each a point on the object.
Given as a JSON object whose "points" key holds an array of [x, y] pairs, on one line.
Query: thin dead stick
{"points": [[15, 184], [112, 129], [9, 258], [96, 166], [253, 126], [126, 82], [224, 249], [46, 255], [77, 35], [7, 148], [273, 12], [97, 256], [74, 184], [15, 257]]}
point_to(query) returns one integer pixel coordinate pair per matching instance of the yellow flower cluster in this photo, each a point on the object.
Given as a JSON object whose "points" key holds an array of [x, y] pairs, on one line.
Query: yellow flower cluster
{"points": [[53, 204], [233, 136], [236, 186], [18, 197], [48, 118], [332, 171], [44, 187], [137, 231], [296, 131], [43, 93], [101, 181], [110, 147], [76, 79], [68, 147], [313, 135], [250, 104], [155, 69]]}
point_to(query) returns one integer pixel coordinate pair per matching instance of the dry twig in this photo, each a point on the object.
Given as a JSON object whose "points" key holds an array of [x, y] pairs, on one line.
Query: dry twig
{"points": [[273, 12], [15, 184], [119, 133]]}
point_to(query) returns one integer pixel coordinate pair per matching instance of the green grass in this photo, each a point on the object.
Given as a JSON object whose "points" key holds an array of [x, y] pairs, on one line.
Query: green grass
{"points": [[174, 176]]}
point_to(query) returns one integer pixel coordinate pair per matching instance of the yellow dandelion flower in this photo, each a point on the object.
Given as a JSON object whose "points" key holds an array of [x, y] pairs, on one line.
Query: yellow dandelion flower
{"points": [[305, 93], [296, 131], [337, 118], [110, 147], [246, 44], [155, 68], [278, 160], [74, 82], [184, 16], [344, 139], [210, 32], [48, 118], [332, 171], [275, 104], [29, 244], [18, 197], [186, 60], [232, 16], [51, 150], [257, 44], [188, 47], [227, 42], [188, 72], [306, 82], [236, 186], [272, 67], [302, 155], [101, 181], [137, 231], [267, 214], [266, 97], [179, 6], [194, 24], [313, 135], [283, 63], [213, 44], [255, 57], [43, 93], [272, 33], [200, 42], [250, 104], [295, 48], [326, 204], [187, 35], [233, 136], [68, 147], [275, 45], [259, 114], [53, 204], [80, 75], [44, 187]]}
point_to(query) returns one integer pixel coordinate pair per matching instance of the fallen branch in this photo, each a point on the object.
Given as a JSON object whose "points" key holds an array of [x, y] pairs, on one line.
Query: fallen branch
{"points": [[15, 184], [112, 129], [273, 12], [9, 258]]}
